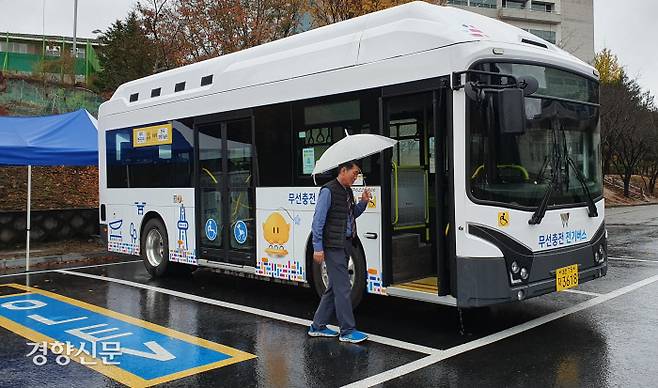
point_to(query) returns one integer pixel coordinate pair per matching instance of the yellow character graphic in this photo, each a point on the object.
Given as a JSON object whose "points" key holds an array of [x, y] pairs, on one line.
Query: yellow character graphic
{"points": [[277, 233]]}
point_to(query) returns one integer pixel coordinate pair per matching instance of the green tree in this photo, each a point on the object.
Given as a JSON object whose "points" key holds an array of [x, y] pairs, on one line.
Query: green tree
{"points": [[611, 75], [126, 54], [607, 64]]}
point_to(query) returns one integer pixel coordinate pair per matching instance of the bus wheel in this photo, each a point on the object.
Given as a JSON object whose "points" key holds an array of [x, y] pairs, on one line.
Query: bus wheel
{"points": [[355, 266], [155, 248]]}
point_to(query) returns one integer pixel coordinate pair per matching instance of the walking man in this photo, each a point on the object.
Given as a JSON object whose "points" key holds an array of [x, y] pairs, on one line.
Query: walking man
{"points": [[334, 227]]}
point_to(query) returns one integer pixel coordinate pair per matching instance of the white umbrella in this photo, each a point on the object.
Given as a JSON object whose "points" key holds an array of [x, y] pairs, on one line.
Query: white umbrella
{"points": [[351, 147]]}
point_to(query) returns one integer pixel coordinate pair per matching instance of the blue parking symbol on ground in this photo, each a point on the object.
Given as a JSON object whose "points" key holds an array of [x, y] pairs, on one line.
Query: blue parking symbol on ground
{"points": [[240, 232], [211, 229], [132, 351]]}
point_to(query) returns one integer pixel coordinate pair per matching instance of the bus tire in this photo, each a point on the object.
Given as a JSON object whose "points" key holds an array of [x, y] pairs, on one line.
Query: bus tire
{"points": [[155, 249], [356, 267]]}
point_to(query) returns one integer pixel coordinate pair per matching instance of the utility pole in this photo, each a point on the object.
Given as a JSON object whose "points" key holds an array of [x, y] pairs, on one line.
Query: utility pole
{"points": [[75, 28]]}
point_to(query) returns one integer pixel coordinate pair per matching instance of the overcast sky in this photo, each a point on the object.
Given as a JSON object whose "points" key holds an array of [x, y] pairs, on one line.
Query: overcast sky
{"points": [[629, 28]]}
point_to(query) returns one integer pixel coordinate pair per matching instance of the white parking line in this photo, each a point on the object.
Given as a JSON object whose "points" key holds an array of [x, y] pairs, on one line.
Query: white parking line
{"points": [[55, 270], [434, 358], [252, 310], [632, 259], [574, 291]]}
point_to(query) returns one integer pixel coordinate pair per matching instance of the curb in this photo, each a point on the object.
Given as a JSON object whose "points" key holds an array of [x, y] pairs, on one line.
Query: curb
{"points": [[16, 263]]}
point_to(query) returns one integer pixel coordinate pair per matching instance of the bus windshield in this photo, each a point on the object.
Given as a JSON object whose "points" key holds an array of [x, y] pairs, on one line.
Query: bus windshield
{"points": [[562, 122]]}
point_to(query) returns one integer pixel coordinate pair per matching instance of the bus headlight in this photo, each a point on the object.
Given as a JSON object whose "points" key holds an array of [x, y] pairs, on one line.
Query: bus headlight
{"points": [[514, 267], [524, 273]]}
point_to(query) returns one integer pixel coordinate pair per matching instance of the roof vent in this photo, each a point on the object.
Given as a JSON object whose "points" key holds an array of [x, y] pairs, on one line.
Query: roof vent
{"points": [[534, 43], [134, 97], [179, 87], [207, 80], [155, 92]]}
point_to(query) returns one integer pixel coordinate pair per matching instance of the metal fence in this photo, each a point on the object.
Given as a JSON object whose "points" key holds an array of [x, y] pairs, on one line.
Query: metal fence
{"points": [[33, 98]]}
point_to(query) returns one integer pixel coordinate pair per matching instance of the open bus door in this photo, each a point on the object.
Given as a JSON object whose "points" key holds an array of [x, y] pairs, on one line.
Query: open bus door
{"points": [[415, 223]]}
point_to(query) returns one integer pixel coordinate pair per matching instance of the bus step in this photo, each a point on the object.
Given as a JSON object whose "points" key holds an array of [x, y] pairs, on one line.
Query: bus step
{"points": [[428, 284]]}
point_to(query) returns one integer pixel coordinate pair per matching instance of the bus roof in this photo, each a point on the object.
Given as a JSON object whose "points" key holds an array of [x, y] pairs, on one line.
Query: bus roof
{"points": [[403, 30]]}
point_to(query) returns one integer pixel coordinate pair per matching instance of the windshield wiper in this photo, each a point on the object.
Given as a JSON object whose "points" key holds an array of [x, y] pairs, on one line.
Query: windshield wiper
{"points": [[556, 162], [591, 206]]}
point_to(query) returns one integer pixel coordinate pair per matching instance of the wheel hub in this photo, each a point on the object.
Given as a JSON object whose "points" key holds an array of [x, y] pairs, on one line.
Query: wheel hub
{"points": [[154, 247], [325, 273]]}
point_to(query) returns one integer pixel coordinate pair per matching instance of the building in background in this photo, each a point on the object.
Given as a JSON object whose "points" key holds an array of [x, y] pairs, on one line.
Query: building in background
{"points": [[30, 55], [567, 23]]}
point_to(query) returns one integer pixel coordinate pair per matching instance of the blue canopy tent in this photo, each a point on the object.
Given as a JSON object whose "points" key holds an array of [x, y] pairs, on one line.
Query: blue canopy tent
{"points": [[70, 139]]}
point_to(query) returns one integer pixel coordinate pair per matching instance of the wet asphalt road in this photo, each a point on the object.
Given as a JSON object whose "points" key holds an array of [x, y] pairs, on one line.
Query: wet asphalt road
{"points": [[568, 339]]}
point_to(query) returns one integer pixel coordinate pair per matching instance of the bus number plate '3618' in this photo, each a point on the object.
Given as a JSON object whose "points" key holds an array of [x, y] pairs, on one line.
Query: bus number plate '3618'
{"points": [[566, 277]]}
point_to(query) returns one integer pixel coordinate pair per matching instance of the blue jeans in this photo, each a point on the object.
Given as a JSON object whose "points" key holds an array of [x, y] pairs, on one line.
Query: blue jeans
{"points": [[337, 297]]}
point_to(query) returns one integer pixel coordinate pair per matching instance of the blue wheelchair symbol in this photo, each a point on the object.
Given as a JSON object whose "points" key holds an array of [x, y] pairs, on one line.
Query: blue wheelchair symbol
{"points": [[211, 229], [240, 232]]}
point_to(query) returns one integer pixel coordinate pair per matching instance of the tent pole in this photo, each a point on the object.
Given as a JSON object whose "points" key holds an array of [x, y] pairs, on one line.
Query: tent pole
{"points": [[29, 201]]}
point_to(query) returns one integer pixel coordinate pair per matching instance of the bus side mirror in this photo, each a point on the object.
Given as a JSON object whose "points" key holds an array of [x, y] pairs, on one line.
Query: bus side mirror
{"points": [[510, 110]]}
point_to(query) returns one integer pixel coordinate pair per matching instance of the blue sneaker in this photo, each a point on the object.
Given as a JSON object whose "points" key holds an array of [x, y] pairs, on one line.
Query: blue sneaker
{"points": [[326, 332], [354, 337]]}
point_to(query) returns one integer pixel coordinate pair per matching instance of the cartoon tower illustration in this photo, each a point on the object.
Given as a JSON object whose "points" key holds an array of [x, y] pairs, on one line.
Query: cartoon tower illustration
{"points": [[183, 225]]}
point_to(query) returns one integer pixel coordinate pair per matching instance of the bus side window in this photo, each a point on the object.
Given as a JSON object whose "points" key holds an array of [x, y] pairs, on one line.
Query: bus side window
{"points": [[274, 145]]}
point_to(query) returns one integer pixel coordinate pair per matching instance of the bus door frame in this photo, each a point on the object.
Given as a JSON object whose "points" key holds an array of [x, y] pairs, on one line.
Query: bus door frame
{"points": [[441, 94], [225, 254]]}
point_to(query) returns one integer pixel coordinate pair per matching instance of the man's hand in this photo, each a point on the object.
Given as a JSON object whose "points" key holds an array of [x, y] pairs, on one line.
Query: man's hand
{"points": [[366, 196], [318, 257]]}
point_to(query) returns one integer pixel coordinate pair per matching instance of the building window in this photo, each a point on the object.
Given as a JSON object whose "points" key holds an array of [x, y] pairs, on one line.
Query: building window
{"points": [[549, 36], [515, 4], [483, 3], [541, 7], [14, 47], [458, 2]]}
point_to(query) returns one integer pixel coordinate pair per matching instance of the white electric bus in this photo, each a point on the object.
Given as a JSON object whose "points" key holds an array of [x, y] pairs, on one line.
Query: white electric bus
{"points": [[493, 192]]}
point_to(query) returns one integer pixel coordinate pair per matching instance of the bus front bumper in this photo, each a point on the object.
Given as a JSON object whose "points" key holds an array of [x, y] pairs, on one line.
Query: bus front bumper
{"points": [[483, 281], [479, 288]]}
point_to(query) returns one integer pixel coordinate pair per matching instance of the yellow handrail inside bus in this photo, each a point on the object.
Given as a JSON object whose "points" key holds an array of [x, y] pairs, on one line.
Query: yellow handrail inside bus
{"points": [[238, 203], [526, 176], [427, 197], [395, 191], [210, 174]]}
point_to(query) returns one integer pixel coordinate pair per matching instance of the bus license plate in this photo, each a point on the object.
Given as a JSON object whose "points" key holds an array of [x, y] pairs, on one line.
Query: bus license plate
{"points": [[566, 277]]}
